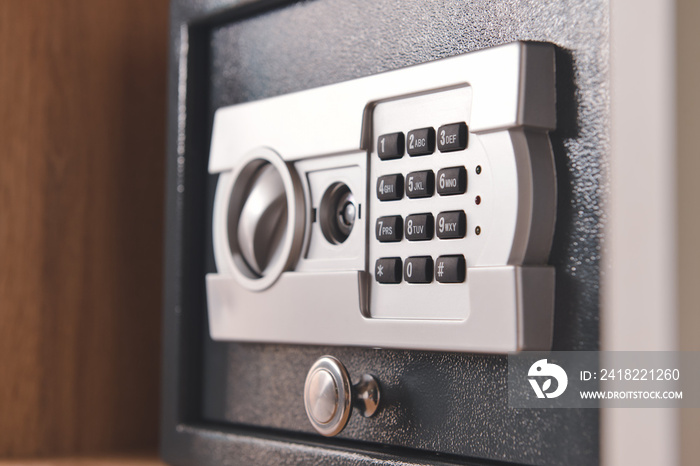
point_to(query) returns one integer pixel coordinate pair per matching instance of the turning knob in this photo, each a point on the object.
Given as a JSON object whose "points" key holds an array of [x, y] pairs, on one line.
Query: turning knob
{"points": [[260, 215], [263, 220], [329, 396]]}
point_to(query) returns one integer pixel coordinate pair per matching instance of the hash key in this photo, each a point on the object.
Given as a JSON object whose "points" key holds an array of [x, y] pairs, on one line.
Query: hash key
{"points": [[450, 269]]}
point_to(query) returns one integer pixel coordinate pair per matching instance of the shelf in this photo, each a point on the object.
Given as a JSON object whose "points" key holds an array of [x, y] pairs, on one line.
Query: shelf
{"points": [[97, 460]]}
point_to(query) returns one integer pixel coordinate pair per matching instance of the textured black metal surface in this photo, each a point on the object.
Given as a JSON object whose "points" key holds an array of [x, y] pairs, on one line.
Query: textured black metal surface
{"points": [[450, 403]]}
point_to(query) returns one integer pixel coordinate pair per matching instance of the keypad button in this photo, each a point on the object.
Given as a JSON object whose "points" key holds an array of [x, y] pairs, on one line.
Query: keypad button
{"points": [[418, 269], [389, 229], [451, 225], [452, 137], [390, 146], [390, 187], [451, 181], [419, 227], [420, 141], [388, 270], [420, 184], [450, 269]]}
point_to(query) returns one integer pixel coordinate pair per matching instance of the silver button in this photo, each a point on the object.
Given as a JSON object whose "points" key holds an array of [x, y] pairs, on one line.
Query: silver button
{"points": [[329, 397], [323, 394]]}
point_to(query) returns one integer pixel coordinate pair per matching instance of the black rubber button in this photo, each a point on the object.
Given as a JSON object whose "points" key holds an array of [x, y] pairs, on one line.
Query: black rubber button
{"points": [[390, 146], [390, 187], [451, 225], [390, 229], [452, 137], [451, 181], [388, 270], [420, 184], [420, 141], [450, 269], [419, 227], [418, 269]]}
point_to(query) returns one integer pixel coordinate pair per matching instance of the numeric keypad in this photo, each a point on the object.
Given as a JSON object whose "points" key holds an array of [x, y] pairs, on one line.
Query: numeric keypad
{"points": [[417, 185]]}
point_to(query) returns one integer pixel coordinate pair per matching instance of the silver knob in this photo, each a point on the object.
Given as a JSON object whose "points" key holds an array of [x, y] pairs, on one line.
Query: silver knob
{"points": [[263, 220], [260, 212], [329, 396]]}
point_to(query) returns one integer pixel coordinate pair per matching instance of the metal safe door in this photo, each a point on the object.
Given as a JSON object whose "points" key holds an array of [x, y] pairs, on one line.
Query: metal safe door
{"points": [[412, 209], [242, 403]]}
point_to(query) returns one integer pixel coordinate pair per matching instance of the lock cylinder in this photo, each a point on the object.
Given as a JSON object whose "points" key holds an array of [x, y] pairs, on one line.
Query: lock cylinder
{"points": [[338, 213]]}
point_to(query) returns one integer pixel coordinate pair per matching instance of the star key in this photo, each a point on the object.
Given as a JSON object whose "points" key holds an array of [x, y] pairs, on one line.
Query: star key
{"points": [[388, 270]]}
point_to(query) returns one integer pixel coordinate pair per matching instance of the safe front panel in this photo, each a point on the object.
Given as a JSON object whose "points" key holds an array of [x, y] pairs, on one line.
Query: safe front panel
{"points": [[237, 401]]}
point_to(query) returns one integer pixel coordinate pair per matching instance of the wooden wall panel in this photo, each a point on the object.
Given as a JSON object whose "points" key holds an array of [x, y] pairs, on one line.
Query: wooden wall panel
{"points": [[82, 142]]}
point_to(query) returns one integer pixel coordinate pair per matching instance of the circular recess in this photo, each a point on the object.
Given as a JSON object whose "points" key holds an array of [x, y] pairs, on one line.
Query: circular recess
{"points": [[263, 220], [338, 213]]}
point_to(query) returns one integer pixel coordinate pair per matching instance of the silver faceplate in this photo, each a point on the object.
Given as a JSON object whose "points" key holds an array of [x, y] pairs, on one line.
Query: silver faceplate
{"points": [[324, 293]]}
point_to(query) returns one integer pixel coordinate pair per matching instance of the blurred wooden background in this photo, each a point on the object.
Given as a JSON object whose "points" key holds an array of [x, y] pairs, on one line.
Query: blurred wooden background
{"points": [[82, 120]]}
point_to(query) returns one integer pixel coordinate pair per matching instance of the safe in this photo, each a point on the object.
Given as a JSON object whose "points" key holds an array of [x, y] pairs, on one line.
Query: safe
{"points": [[370, 205]]}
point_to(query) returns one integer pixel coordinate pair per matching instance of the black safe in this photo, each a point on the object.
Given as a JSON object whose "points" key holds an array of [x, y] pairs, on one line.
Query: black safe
{"points": [[229, 401]]}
